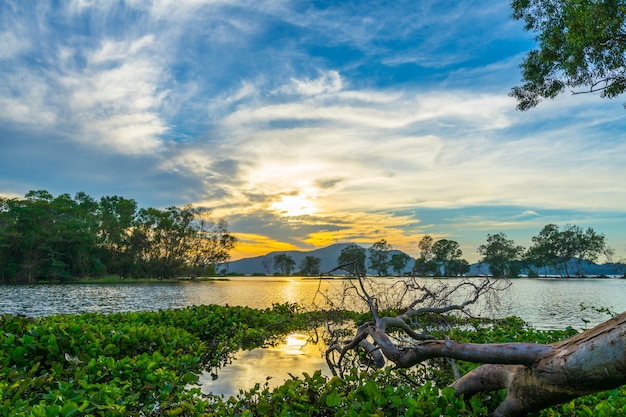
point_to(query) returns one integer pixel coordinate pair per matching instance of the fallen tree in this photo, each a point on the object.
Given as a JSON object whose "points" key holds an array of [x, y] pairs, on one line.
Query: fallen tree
{"points": [[535, 376]]}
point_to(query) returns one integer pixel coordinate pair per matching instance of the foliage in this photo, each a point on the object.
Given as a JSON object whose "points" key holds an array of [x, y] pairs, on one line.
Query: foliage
{"points": [[447, 253], [379, 257], [146, 364], [393, 392], [211, 242], [553, 247], [502, 255], [42, 236], [283, 264], [127, 363], [310, 265], [398, 262], [425, 268], [441, 257], [425, 264], [354, 255], [426, 247], [581, 45]]}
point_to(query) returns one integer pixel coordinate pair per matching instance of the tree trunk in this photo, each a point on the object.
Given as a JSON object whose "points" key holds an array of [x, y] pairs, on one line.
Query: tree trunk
{"points": [[589, 362], [535, 376]]}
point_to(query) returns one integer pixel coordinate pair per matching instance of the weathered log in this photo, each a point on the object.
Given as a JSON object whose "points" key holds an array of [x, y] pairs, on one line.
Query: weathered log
{"points": [[535, 376], [588, 362]]}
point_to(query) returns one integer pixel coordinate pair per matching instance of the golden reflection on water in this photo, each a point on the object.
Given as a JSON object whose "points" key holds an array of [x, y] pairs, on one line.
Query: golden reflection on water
{"points": [[295, 343], [275, 364]]}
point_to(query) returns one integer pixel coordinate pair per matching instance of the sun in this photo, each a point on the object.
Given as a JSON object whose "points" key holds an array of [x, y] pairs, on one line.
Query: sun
{"points": [[293, 206]]}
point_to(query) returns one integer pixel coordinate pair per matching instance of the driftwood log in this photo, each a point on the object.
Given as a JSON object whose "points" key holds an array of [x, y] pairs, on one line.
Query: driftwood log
{"points": [[535, 376]]}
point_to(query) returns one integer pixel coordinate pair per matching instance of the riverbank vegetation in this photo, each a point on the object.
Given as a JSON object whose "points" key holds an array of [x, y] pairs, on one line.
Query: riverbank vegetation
{"points": [[147, 364], [63, 238], [566, 252]]}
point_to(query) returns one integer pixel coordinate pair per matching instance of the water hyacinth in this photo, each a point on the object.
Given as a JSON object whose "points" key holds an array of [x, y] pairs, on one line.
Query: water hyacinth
{"points": [[147, 364]]}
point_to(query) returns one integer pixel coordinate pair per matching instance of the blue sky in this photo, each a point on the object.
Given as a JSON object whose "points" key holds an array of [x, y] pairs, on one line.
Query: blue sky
{"points": [[305, 123]]}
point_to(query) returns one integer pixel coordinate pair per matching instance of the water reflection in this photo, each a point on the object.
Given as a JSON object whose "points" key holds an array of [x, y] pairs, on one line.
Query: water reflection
{"points": [[271, 365], [48, 299], [545, 303]]}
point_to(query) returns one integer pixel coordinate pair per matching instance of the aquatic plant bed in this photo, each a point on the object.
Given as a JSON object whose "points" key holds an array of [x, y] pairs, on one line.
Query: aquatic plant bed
{"points": [[144, 363], [125, 363]]}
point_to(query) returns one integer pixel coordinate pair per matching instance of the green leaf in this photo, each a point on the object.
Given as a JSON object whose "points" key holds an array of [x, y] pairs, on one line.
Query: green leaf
{"points": [[70, 408], [333, 400], [264, 408], [190, 378], [18, 355]]}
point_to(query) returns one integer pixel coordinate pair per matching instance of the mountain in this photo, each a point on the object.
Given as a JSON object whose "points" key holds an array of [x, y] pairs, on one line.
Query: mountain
{"points": [[328, 255]]}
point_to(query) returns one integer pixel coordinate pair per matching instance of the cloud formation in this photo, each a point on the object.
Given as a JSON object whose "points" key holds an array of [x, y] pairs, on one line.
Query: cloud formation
{"points": [[304, 123]]}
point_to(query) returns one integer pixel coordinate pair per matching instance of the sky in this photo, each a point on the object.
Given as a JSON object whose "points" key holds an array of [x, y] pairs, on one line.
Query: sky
{"points": [[305, 123]]}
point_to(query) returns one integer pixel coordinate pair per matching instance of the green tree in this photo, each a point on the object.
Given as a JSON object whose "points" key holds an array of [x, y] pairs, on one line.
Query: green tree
{"points": [[22, 238], [457, 267], [425, 265], [160, 239], [591, 246], [502, 255], [398, 262], [310, 265], [425, 268], [565, 248], [42, 236], [71, 238], [284, 264], [543, 252], [447, 253], [581, 45], [426, 247], [210, 242], [117, 217], [49, 237], [354, 256], [379, 257]]}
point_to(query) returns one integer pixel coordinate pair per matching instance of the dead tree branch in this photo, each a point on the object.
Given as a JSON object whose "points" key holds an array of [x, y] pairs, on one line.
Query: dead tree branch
{"points": [[535, 376]]}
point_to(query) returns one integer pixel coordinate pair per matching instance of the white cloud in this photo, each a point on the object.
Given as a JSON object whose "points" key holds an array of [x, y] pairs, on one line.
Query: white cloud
{"points": [[115, 98], [134, 134], [324, 100], [24, 100], [428, 149], [12, 45], [248, 102], [329, 82], [111, 50]]}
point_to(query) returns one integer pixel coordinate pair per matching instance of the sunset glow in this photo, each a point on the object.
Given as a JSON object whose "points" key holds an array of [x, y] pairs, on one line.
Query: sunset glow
{"points": [[291, 206], [305, 124]]}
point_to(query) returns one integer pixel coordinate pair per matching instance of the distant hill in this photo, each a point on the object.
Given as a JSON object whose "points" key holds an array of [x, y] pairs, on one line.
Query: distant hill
{"points": [[329, 255]]}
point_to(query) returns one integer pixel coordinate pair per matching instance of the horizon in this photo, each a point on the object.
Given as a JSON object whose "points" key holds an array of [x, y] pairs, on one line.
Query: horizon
{"points": [[303, 123], [600, 261]]}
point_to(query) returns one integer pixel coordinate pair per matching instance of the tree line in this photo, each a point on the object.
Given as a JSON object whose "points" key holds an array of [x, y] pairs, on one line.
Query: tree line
{"points": [[47, 237], [564, 251]]}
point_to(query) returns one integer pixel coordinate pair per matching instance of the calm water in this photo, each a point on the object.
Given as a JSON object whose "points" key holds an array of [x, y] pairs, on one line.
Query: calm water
{"points": [[545, 303]]}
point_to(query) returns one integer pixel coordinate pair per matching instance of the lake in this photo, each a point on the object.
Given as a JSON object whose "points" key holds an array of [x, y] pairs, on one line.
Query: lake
{"points": [[545, 303]]}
